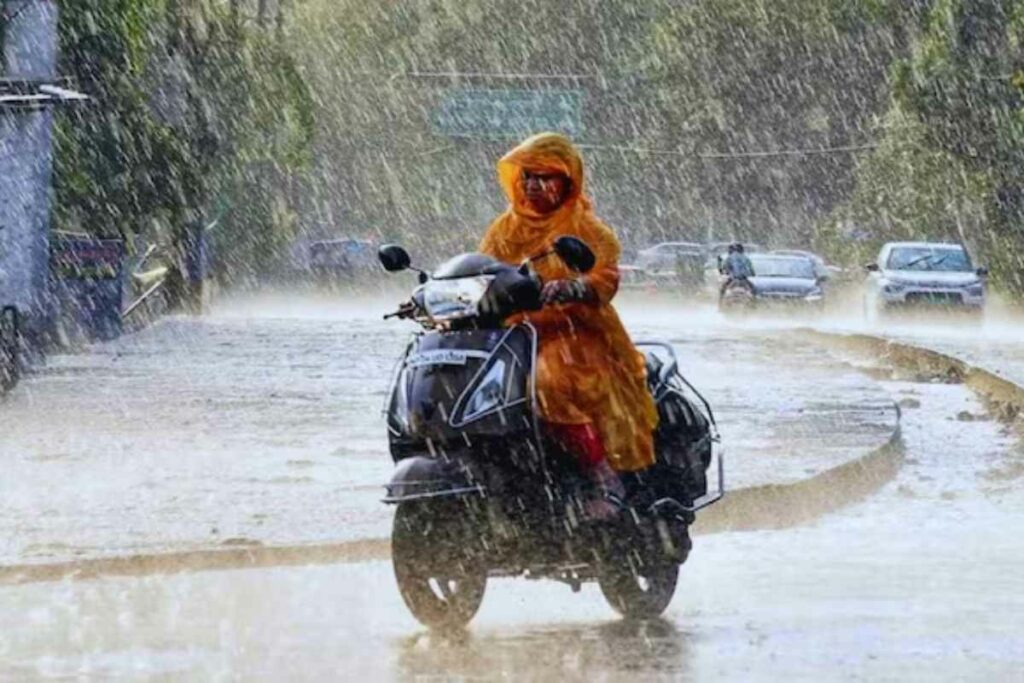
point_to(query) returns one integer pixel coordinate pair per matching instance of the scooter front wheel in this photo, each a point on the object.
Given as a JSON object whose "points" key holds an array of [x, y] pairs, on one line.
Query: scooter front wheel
{"points": [[441, 580]]}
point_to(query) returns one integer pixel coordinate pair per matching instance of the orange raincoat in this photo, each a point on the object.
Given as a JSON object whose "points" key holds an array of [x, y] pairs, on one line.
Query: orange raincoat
{"points": [[588, 369]]}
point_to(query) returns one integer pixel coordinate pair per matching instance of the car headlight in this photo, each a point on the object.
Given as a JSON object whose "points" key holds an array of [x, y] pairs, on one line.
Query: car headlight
{"points": [[451, 299], [893, 286]]}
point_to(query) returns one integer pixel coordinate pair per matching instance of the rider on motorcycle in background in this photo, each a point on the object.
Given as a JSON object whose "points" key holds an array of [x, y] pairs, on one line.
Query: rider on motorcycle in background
{"points": [[591, 385], [737, 268]]}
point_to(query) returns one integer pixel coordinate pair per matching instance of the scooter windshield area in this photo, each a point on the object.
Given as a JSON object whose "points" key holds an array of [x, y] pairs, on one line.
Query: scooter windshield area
{"points": [[455, 299]]}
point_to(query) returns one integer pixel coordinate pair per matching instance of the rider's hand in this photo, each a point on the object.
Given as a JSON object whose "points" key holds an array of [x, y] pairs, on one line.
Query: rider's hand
{"points": [[565, 291]]}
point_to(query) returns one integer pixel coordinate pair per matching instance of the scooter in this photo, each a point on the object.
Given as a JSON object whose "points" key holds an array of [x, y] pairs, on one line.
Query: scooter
{"points": [[737, 296], [480, 491]]}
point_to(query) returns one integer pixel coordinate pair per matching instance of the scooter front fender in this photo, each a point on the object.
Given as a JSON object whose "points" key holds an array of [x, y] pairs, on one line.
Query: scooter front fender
{"points": [[420, 477]]}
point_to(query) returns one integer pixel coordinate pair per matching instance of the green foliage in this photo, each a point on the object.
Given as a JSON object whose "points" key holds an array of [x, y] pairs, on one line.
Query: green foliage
{"points": [[905, 190], [964, 84], [935, 86], [187, 102]]}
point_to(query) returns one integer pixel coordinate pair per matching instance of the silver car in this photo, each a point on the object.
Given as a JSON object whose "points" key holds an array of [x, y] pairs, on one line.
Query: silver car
{"points": [[924, 274], [665, 255]]}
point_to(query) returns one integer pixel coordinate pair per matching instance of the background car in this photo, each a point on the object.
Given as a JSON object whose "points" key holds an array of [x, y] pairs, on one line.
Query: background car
{"points": [[821, 268], [674, 265], [924, 274], [664, 256], [720, 248], [786, 279]]}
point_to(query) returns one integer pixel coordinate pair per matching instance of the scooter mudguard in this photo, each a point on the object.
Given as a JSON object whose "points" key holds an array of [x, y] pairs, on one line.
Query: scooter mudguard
{"points": [[421, 477]]}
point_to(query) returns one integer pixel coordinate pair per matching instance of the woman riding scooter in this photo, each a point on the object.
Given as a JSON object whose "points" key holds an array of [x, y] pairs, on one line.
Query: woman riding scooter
{"points": [[590, 378]]}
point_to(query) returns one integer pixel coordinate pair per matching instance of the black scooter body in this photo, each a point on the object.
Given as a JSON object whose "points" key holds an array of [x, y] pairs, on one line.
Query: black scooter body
{"points": [[481, 491], [440, 445]]}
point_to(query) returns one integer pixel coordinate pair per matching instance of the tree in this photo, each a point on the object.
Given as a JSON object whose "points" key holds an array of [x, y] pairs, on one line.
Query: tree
{"points": [[965, 84], [685, 79], [189, 101]]}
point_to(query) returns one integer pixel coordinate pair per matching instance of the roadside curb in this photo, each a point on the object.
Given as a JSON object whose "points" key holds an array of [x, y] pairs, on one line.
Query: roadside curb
{"points": [[249, 557], [1004, 399], [778, 506]]}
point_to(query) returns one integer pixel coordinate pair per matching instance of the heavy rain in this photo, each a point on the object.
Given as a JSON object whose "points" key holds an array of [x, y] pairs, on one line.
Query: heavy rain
{"points": [[487, 340]]}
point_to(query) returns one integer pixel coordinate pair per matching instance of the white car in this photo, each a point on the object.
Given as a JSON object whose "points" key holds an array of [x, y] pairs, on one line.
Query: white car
{"points": [[924, 274]]}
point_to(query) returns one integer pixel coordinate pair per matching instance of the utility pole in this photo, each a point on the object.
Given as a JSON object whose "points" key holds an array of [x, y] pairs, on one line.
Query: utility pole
{"points": [[26, 158]]}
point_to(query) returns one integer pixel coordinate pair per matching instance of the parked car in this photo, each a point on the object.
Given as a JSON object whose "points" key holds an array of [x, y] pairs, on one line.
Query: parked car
{"points": [[674, 265], [786, 279], [924, 274], [663, 256]]}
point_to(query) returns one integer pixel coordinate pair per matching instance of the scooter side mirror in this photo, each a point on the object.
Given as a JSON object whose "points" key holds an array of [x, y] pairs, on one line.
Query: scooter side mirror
{"points": [[575, 253], [394, 258]]}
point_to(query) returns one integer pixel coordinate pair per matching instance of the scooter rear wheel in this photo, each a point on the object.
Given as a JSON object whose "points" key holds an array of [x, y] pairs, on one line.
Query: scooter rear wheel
{"points": [[441, 580]]}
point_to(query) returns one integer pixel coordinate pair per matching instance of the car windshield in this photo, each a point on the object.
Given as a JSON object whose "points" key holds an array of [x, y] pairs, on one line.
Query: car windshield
{"points": [[782, 267], [945, 259]]}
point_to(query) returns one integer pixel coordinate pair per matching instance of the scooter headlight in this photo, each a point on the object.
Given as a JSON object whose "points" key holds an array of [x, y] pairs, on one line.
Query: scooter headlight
{"points": [[453, 299], [489, 394]]}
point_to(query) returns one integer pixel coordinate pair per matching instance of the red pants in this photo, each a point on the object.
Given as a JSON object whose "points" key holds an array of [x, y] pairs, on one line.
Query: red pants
{"points": [[581, 440]]}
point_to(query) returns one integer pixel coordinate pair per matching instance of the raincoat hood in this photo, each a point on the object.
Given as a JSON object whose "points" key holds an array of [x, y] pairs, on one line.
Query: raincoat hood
{"points": [[550, 152]]}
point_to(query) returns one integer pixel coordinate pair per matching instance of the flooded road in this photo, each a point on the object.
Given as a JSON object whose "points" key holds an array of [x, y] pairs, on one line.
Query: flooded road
{"points": [[920, 582], [258, 427]]}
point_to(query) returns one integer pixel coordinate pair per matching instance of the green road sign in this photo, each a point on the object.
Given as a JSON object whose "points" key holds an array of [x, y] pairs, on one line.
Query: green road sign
{"points": [[509, 113]]}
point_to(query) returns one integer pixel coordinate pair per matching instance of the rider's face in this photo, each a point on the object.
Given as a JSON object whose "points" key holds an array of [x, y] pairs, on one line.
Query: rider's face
{"points": [[545, 190]]}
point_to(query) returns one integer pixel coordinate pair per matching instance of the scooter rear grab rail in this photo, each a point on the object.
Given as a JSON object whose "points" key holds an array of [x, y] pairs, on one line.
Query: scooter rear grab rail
{"points": [[672, 368], [705, 500], [667, 371]]}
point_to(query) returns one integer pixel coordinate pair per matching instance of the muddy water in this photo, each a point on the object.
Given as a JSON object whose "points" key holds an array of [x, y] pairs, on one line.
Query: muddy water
{"points": [[919, 582], [260, 426]]}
